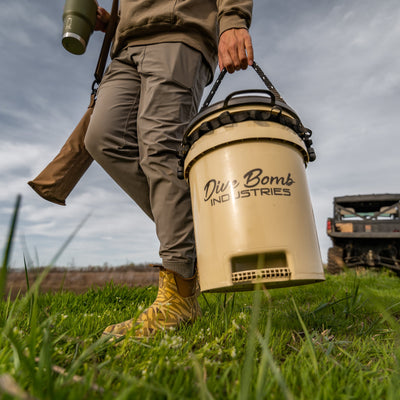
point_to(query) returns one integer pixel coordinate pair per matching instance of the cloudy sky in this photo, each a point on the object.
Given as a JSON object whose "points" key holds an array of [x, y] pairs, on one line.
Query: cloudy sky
{"points": [[336, 62]]}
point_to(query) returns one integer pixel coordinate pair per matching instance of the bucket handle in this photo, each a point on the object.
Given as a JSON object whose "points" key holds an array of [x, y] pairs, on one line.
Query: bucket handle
{"points": [[271, 88], [238, 92]]}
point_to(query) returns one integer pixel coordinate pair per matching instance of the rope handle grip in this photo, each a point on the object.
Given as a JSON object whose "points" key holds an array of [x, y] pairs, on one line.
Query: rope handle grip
{"points": [[259, 72]]}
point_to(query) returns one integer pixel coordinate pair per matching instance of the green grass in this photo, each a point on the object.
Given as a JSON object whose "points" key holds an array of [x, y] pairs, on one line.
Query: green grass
{"points": [[337, 339], [334, 340]]}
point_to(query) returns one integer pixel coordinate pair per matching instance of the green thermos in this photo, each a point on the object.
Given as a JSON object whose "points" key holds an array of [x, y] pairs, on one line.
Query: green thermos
{"points": [[79, 20]]}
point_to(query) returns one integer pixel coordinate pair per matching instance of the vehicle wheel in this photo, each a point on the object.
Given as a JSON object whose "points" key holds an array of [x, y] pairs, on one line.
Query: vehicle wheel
{"points": [[335, 260]]}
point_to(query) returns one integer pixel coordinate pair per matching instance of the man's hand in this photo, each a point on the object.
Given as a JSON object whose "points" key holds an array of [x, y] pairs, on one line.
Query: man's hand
{"points": [[102, 19], [235, 50]]}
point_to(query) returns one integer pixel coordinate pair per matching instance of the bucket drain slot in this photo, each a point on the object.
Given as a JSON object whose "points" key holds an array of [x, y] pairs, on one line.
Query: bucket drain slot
{"points": [[259, 267], [260, 275]]}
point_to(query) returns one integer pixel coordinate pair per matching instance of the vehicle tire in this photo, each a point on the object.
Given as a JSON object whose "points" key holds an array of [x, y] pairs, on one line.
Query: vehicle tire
{"points": [[335, 260]]}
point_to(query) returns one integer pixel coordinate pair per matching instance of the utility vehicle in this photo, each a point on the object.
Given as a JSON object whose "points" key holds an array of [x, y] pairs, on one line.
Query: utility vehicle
{"points": [[365, 232]]}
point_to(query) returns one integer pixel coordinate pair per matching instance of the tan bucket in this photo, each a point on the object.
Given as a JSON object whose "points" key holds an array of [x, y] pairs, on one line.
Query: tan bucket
{"points": [[253, 219]]}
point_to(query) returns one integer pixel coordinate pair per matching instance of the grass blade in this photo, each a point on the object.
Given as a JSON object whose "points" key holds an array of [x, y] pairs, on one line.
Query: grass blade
{"points": [[8, 248], [267, 358], [68, 241], [309, 341], [248, 364]]}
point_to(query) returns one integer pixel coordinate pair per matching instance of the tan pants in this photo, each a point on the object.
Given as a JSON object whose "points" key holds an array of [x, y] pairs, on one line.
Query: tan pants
{"points": [[145, 101]]}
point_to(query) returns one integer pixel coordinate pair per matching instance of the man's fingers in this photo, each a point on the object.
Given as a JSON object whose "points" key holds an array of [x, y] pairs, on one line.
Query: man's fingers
{"points": [[225, 61], [245, 49], [242, 57], [249, 49], [235, 57], [235, 50], [102, 18]]}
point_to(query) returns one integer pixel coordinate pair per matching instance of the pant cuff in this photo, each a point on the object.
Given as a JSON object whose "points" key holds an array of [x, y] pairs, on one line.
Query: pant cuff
{"points": [[184, 269]]}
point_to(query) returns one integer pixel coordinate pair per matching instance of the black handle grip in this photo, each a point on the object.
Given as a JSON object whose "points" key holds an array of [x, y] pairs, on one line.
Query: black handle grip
{"points": [[247, 91], [271, 88]]}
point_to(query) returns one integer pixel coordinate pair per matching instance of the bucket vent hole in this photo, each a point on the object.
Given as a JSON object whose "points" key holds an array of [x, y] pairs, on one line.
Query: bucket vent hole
{"points": [[259, 267]]}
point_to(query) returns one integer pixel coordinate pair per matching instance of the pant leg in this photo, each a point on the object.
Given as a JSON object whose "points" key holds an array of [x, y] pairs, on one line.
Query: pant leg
{"points": [[145, 101], [111, 138], [172, 80]]}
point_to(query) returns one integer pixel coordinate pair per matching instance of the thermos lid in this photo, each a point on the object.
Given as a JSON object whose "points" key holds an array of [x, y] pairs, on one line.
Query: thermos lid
{"points": [[73, 43]]}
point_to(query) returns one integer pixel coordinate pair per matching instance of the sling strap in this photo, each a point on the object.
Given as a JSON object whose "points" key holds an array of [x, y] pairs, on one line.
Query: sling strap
{"points": [[108, 37]]}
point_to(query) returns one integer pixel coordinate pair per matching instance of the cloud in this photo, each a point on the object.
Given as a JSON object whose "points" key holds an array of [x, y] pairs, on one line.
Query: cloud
{"points": [[334, 62], [22, 22], [14, 155]]}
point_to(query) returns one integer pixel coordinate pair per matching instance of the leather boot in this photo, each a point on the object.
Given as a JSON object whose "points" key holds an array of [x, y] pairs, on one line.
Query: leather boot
{"points": [[176, 304]]}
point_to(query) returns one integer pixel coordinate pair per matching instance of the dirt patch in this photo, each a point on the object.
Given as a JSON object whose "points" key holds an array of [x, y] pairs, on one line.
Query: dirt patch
{"points": [[80, 280]]}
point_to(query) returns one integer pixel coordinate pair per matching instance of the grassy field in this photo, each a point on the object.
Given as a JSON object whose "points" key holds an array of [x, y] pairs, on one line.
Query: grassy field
{"points": [[333, 340]]}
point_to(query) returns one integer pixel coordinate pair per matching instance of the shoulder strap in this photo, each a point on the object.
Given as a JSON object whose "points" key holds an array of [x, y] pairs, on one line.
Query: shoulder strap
{"points": [[108, 37]]}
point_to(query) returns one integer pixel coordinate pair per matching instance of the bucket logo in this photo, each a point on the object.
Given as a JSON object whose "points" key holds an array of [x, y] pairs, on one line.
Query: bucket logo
{"points": [[254, 183]]}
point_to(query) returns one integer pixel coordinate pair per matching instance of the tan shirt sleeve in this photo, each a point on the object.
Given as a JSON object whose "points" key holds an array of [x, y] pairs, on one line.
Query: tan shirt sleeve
{"points": [[234, 14]]}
